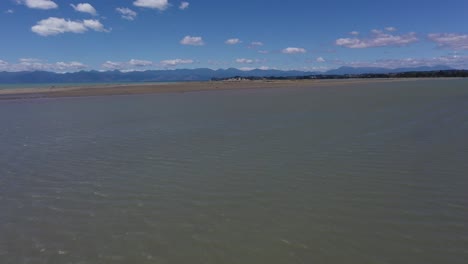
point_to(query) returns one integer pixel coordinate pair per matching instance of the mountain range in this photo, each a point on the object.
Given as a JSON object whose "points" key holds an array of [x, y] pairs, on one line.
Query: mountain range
{"points": [[200, 74]]}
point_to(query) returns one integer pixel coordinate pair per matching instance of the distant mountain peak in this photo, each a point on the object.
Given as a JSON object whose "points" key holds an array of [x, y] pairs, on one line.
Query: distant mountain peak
{"points": [[200, 74]]}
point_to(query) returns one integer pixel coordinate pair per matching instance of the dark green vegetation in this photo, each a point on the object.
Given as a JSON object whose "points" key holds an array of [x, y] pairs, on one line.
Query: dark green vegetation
{"points": [[410, 74]]}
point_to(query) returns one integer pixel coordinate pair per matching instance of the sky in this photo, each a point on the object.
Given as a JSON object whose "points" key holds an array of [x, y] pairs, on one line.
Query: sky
{"points": [[134, 35]]}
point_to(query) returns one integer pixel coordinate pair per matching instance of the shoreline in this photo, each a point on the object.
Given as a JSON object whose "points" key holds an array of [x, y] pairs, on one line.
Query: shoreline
{"points": [[180, 87]]}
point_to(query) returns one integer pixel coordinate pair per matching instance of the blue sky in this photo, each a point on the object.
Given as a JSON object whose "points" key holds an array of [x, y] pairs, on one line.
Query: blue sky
{"points": [[59, 35]]}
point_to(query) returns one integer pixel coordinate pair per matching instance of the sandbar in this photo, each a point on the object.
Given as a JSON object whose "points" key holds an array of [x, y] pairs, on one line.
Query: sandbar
{"points": [[180, 87]]}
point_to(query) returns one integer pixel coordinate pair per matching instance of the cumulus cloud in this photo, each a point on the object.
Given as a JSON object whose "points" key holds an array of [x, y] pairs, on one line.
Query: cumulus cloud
{"points": [[378, 39], [54, 26], [30, 64], [391, 29], [126, 13], [175, 62], [293, 50], [39, 4], [94, 25], [194, 41], [84, 8], [154, 4], [354, 33], [450, 40], [320, 59], [233, 41], [184, 5]]}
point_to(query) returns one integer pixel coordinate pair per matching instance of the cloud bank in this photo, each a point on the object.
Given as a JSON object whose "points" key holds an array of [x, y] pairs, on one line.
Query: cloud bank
{"points": [[126, 65], [450, 40], [31, 64], [378, 39], [454, 61]]}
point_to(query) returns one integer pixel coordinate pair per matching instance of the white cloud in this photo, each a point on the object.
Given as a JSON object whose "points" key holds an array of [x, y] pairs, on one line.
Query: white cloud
{"points": [[292, 50], [94, 25], [155, 4], [29, 60], [54, 26], [354, 33], [233, 41], [140, 63], [9, 11], [320, 59], [256, 44], [184, 5], [450, 40], [246, 61], [264, 68], [246, 68], [194, 41], [39, 4], [175, 62], [126, 13], [454, 61], [391, 29], [126, 65], [378, 39], [30, 64], [263, 51], [66, 66], [111, 65], [84, 8]]}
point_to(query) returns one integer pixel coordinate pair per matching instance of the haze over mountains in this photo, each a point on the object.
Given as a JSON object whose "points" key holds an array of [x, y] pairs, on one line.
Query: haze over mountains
{"points": [[200, 74]]}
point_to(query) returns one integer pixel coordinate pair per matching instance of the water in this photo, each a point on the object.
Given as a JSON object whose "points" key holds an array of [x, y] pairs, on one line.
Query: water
{"points": [[6, 86], [373, 173]]}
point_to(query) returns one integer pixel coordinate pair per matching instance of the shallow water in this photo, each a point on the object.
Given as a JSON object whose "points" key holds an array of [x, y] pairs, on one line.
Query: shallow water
{"points": [[370, 173], [8, 86]]}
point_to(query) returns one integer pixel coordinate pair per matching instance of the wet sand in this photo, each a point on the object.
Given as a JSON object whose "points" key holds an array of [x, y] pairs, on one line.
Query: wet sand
{"points": [[130, 89]]}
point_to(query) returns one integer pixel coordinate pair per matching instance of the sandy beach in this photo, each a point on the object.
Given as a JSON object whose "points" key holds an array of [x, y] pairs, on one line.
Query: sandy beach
{"points": [[133, 89]]}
